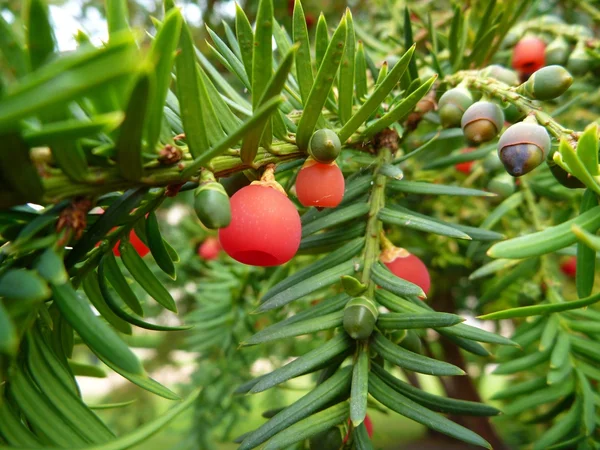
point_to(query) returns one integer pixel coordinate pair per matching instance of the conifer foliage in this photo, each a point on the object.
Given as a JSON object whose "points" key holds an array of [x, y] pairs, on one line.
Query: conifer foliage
{"points": [[355, 180]]}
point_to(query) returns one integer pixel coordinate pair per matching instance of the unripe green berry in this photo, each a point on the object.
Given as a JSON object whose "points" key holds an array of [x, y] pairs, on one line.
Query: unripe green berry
{"points": [[452, 105], [547, 83], [482, 122], [513, 114], [523, 147], [411, 342], [580, 61], [211, 204], [324, 146], [502, 185], [501, 73], [492, 163], [360, 316], [557, 51]]}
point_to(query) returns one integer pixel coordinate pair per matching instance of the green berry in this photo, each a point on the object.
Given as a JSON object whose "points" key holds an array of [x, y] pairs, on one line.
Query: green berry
{"points": [[324, 146], [492, 163], [212, 206], [501, 73], [557, 51], [482, 122], [360, 316], [452, 105], [580, 62], [547, 83], [411, 342], [502, 185], [523, 147]]}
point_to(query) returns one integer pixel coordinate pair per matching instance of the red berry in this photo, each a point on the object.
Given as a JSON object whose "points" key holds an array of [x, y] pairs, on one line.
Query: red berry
{"points": [[407, 266], [465, 167], [529, 55], [209, 249], [265, 227], [368, 426], [569, 266], [320, 184], [137, 243]]}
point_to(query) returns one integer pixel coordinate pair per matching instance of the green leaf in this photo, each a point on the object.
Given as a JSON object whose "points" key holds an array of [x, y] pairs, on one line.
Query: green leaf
{"points": [[408, 43], [318, 397], [377, 97], [269, 334], [566, 154], [336, 217], [228, 58], [587, 149], [310, 426], [549, 334], [248, 126], [410, 360], [523, 363], [16, 168], [72, 129], [334, 258], [401, 321], [188, 93], [308, 285], [522, 388], [359, 392], [162, 57], [67, 78], [117, 16], [419, 187], [458, 156], [119, 308], [91, 287], [229, 121], [321, 40], [406, 407], [144, 276], [347, 68], [129, 145], [40, 36], [362, 441], [24, 286], [434, 402], [262, 63], [245, 37], [381, 275], [303, 364], [149, 429], [272, 90], [304, 71], [493, 267], [157, 246], [50, 267], [321, 86], [588, 404], [586, 256], [408, 220], [401, 110], [12, 49], [117, 280], [590, 240], [548, 240], [560, 429], [360, 73], [93, 331], [9, 342]]}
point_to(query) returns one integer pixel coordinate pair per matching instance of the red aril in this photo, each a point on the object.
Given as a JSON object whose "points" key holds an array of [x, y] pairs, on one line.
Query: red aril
{"points": [[209, 249], [569, 266], [465, 167], [265, 226], [529, 55], [407, 266], [320, 185], [137, 243]]}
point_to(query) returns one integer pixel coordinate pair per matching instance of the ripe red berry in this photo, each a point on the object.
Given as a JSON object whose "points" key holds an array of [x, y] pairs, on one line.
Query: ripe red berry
{"points": [[137, 243], [407, 266], [529, 55], [569, 267], [209, 249], [320, 184], [465, 167], [265, 227]]}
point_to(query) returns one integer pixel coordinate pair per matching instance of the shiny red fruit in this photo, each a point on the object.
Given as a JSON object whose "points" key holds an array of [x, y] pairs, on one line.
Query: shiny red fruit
{"points": [[465, 167], [137, 243], [409, 267], [529, 55], [265, 227], [320, 185], [209, 249], [569, 266], [368, 426]]}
